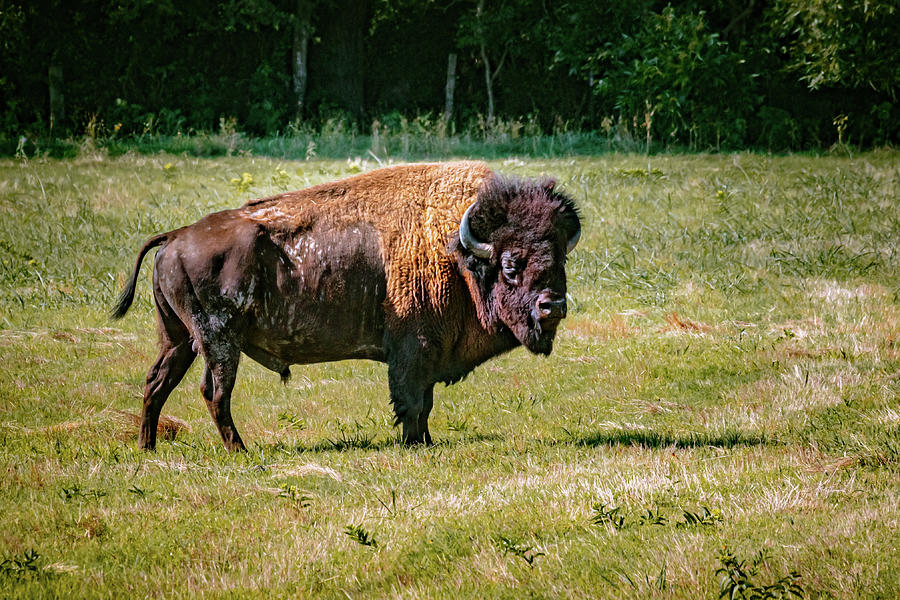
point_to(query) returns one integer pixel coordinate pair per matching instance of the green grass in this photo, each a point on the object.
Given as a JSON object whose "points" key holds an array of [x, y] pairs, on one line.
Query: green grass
{"points": [[720, 412], [334, 140]]}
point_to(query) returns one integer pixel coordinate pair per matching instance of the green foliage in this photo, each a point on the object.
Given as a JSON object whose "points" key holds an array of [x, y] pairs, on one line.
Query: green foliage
{"points": [[614, 518], [291, 420], [676, 79], [608, 516], [137, 491], [361, 536], [523, 551], [652, 517], [835, 44], [23, 565], [578, 29], [702, 518], [702, 75], [737, 580], [75, 491], [295, 494], [243, 183], [839, 52], [496, 26]]}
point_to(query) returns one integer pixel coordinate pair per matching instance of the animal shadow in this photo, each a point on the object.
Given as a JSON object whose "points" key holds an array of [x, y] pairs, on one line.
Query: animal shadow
{"points": [[649, 438], [345, 442]]}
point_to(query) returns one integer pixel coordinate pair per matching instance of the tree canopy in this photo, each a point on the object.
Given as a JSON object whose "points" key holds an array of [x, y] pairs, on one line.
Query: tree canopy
{"points": [[701, 74]]}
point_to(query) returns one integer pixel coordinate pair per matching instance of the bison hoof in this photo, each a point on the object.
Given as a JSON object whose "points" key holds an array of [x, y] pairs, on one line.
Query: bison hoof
{"points": [[147, 442], [418, 441]]}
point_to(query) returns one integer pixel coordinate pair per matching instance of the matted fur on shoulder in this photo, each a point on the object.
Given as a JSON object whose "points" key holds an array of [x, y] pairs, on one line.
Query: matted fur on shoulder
{"points": [[415, 209]]}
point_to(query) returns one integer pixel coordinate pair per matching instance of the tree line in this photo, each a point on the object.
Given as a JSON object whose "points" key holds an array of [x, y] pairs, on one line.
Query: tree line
{"points": [[701, 74]]}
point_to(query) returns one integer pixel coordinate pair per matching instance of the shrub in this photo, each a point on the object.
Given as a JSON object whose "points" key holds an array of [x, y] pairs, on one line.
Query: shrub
{"points": [[676, 80]]}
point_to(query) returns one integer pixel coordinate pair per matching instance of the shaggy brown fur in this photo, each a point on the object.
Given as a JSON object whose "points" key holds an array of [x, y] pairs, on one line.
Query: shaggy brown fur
{"points": [[414, 208]]}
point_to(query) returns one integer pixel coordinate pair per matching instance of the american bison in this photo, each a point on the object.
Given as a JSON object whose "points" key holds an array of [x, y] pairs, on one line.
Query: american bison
{"points": [[430, 268]]}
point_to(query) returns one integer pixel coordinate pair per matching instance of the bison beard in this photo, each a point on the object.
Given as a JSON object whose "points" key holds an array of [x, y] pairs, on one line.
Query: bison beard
{"points": [[430, 268]]}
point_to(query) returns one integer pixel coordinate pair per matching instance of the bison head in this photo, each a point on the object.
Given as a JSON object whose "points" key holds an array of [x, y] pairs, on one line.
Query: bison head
{"points": [[514, 241]]}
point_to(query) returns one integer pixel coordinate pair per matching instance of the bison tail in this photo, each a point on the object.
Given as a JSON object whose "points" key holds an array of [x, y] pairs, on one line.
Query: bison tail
{"points": [[127, 297]]}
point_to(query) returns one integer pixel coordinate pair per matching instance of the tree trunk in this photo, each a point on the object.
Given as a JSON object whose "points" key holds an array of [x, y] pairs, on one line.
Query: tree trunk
{"points": [[448, 91], [489, 75], [737, 19], [489, 84], [57, 100], [338, 64], [302, 30], [488, 80]]}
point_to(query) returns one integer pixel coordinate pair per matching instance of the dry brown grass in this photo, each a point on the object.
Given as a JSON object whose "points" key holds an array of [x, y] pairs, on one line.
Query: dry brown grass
{"points": [[616, 327], [168, 428], [676, 323]]}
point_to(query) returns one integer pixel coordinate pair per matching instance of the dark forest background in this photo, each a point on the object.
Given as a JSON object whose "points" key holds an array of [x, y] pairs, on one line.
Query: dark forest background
{"points": [[698, 75]]}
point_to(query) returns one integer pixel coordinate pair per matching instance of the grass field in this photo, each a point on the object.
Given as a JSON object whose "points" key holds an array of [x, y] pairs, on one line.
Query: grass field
{"points": [[720, 413]]}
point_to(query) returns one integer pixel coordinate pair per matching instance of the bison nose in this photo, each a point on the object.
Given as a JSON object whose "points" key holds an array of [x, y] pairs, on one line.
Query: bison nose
{"points": [[551, 306]]}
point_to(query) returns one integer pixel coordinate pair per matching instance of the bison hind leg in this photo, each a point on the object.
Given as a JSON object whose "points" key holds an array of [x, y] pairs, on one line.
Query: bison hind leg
{"points": [[165, 374], [176, 354]]}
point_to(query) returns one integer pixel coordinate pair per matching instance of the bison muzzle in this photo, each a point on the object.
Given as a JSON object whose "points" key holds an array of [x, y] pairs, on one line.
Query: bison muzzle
{"points": [[430, 268]]}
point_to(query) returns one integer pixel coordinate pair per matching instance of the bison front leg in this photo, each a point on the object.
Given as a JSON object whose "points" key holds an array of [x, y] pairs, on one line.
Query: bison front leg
{"points": [[427, 404], [410, 397], [218, 382]]}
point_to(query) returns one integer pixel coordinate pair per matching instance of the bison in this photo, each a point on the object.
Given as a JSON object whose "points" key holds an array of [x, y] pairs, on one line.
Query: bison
{"points": [[430, 268]]}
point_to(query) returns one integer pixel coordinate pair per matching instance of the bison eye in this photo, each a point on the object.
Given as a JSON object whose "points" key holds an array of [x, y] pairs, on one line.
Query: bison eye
{"points": [[511, 268]]}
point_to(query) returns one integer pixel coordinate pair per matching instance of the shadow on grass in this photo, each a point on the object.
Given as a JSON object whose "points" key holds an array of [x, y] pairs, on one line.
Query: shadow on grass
{"points": [[362, 441], [657, 439], [341, 443], [620, 437], [353, 442]]}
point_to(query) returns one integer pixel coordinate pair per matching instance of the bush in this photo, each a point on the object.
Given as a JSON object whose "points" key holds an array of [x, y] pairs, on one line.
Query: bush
{"points": [[677, 81]]}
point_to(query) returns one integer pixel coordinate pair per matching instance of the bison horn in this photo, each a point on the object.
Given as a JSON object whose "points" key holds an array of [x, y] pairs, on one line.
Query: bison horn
{"points": [[468, 241], [573, 241]]}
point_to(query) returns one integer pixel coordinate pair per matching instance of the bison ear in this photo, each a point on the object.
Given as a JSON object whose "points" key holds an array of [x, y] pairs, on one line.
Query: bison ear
{"points": [[548, 185]]}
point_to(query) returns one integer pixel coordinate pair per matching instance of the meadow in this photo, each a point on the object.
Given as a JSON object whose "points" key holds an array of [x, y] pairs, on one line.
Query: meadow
{"points": [[720, 414]]}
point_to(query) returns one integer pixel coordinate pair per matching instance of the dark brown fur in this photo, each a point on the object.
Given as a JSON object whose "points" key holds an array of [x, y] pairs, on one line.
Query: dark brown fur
{"points": [[368, 267]]}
